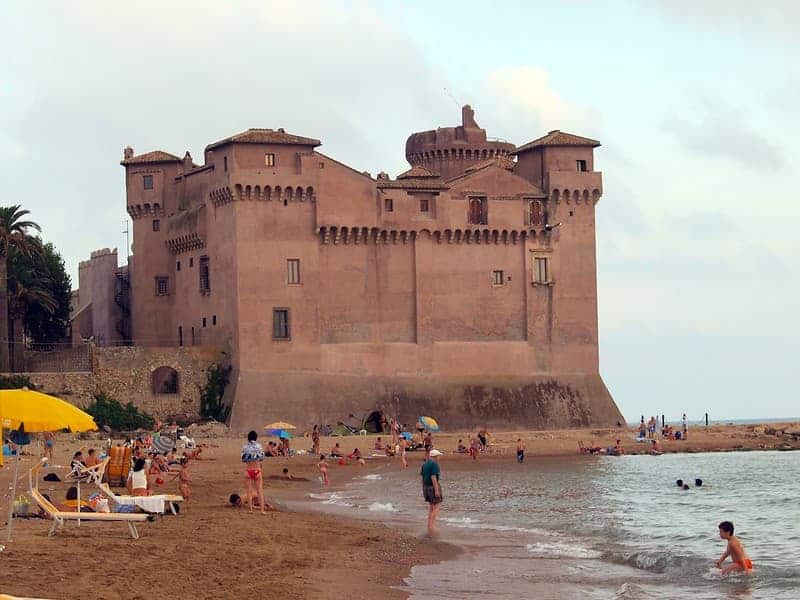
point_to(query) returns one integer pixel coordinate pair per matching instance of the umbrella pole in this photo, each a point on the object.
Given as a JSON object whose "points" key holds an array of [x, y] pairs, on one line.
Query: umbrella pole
{"points": [[13, 493]]}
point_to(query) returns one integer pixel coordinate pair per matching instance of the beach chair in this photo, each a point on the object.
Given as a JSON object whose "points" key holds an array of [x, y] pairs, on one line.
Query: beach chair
{"points": [[60, 517], [96, 476]]}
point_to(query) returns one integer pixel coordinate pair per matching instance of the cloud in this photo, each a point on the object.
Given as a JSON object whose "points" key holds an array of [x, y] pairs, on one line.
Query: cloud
{"points": [[707, 225], [176, 76], [525, 93], [722, 133], [768, 18]]}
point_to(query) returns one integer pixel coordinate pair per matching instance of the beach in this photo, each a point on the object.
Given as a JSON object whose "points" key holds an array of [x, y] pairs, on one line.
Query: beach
{"points": [[212, 551]]}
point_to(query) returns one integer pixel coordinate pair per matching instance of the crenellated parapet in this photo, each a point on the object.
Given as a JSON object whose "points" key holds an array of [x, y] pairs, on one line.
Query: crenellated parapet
{"points": [[374, 235], [146, 210], [185, 243], [584, 196]]}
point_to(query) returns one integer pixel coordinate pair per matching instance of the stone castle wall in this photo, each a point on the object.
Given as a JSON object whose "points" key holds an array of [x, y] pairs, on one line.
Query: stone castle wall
{"points": [[125, 374]]}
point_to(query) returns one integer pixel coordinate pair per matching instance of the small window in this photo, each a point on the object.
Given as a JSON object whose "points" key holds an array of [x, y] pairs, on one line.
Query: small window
{"points": [[541, 271], [424, 206], [180, 335], [280, 324], [224, 163], [293, 271], [191, 261], [322, 165], [205, 275], [204, 321], [178, 266], [147, 180], [269, 160], [478, 211], [581, 165], [156, 224], [498, 278], [388, 205], [162, 286], [214, 320]]}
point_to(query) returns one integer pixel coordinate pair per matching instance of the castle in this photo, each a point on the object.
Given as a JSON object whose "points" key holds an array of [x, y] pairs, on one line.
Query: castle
{"points": [[465, 288]]}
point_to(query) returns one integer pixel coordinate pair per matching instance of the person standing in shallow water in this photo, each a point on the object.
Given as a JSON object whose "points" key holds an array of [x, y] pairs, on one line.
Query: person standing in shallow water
{"points": [[252, 456], [431, 488]]}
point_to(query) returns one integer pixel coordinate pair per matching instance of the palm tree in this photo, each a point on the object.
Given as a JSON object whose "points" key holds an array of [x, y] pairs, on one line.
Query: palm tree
{"points": [[22, 296], [13, 236]]}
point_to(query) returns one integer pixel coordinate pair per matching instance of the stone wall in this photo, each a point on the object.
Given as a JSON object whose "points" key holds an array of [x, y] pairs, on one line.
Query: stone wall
{"points": [[125, 374]]}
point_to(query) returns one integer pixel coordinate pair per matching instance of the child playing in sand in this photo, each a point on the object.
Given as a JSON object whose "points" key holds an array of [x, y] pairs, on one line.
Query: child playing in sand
{"points": [[184, 480], [323, 469], [740, 561]]}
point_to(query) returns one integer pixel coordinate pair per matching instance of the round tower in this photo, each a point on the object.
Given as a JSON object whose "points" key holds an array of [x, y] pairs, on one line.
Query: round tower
{"points": [[451, 150]]}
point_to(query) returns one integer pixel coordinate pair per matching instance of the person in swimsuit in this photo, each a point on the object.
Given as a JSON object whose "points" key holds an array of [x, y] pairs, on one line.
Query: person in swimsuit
{"points": [[323, 469], [431, 488], [520, 450], [315, 440], [483, 436], [403, 445], [336, 451], [184, 480], [137, 479], [49, 443], [252, 456], [740, 561], [474, 447]]}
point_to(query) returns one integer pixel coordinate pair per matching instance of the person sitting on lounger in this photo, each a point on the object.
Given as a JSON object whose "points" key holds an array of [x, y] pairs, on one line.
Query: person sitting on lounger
{"points": [[91, 458], [137, 479]]}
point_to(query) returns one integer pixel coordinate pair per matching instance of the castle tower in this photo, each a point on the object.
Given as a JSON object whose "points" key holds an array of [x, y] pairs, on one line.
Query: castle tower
{"points": [[449, 151]]}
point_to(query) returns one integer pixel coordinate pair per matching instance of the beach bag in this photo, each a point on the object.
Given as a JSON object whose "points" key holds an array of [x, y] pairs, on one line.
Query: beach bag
{"points": [[21, 506]]}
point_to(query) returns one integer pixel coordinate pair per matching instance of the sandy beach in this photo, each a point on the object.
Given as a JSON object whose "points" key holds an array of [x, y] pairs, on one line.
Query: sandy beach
{"points": [[213, 551]]}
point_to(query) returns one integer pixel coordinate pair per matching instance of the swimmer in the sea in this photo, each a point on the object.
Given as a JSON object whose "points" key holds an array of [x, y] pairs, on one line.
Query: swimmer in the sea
{"points": [[740, 561]]}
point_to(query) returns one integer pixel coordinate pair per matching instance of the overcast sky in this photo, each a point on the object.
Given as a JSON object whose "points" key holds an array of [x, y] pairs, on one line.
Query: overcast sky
{"points": [[696, 104]]}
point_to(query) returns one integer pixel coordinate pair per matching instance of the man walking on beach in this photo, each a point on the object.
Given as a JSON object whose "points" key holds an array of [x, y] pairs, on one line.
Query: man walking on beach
{"points": [[431, 488]]}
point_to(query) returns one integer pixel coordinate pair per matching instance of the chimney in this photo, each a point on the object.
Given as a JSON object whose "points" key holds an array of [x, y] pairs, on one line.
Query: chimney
{"points": [[468, 117], [187, 162], [127, 153]]}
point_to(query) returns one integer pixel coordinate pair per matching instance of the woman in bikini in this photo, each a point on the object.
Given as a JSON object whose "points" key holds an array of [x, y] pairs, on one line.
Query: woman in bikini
{"points": [[323, 469], [252, 456]]}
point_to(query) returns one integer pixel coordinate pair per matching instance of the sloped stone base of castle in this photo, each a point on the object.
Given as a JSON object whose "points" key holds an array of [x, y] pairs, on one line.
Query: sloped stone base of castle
{"points": [[534, 402]]}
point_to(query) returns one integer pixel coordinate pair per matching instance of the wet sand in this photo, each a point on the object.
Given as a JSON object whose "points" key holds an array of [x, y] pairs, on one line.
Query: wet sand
{"points": [[212, 551]]}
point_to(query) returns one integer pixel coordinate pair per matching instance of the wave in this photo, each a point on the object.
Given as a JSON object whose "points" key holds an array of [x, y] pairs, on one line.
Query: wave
{"points": [[382, 507], [560, 550], [372, 477]]}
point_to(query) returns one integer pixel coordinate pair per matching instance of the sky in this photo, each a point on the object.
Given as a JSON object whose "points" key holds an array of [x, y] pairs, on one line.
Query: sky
{"points": [[695, 102]]}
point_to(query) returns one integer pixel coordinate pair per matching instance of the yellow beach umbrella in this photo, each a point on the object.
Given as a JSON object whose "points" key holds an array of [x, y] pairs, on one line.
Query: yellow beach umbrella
{"points": [[34, 412], [280, 425]]}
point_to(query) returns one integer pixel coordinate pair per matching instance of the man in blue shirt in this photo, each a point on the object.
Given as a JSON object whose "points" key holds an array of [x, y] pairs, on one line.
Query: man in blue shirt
{"points": [[431, 488]]}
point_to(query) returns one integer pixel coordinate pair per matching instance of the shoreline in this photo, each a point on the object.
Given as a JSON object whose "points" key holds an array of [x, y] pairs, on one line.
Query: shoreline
{"points": [[222, 551]]}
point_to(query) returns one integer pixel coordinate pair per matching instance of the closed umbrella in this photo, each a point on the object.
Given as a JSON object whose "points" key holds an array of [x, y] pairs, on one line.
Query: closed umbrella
{"points": [[36, 412], [163, 444]]}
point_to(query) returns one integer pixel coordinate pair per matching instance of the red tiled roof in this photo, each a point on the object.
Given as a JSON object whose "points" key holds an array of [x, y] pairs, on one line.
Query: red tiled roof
{"points": [[500, 161], [156, 156], [418, 171], [558, 138], [265, 136]]}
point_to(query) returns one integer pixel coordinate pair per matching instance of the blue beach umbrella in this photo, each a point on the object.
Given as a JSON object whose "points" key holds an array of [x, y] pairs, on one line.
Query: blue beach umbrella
{"points": [[429, 423], [279, 433]]}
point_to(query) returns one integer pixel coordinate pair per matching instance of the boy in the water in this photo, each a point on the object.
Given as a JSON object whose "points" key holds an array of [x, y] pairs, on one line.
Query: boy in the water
{"points": [[741, 562]]}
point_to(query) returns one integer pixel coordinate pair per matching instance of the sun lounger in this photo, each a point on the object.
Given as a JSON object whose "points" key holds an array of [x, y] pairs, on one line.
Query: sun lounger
{"points": [[157, 503], [60, 517]]}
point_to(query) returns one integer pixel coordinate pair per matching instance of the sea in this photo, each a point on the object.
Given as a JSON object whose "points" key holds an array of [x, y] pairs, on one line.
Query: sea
{"points": [[595, 527]]}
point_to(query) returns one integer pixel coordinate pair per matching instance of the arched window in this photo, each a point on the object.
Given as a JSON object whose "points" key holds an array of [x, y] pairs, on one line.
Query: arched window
{"points": [[165, 380]]}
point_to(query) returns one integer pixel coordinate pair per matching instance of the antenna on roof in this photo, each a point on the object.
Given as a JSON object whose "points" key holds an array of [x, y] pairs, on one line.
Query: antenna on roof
{"points": [[449, 95]]}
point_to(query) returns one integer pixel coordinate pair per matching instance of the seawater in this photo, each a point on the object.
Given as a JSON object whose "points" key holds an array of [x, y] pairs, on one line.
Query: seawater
{"points": [[598, 527]]}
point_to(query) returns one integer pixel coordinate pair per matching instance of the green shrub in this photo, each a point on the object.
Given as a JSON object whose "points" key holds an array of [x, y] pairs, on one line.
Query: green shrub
{"points": [[15, 382], [211, 406], [107, 411]]}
